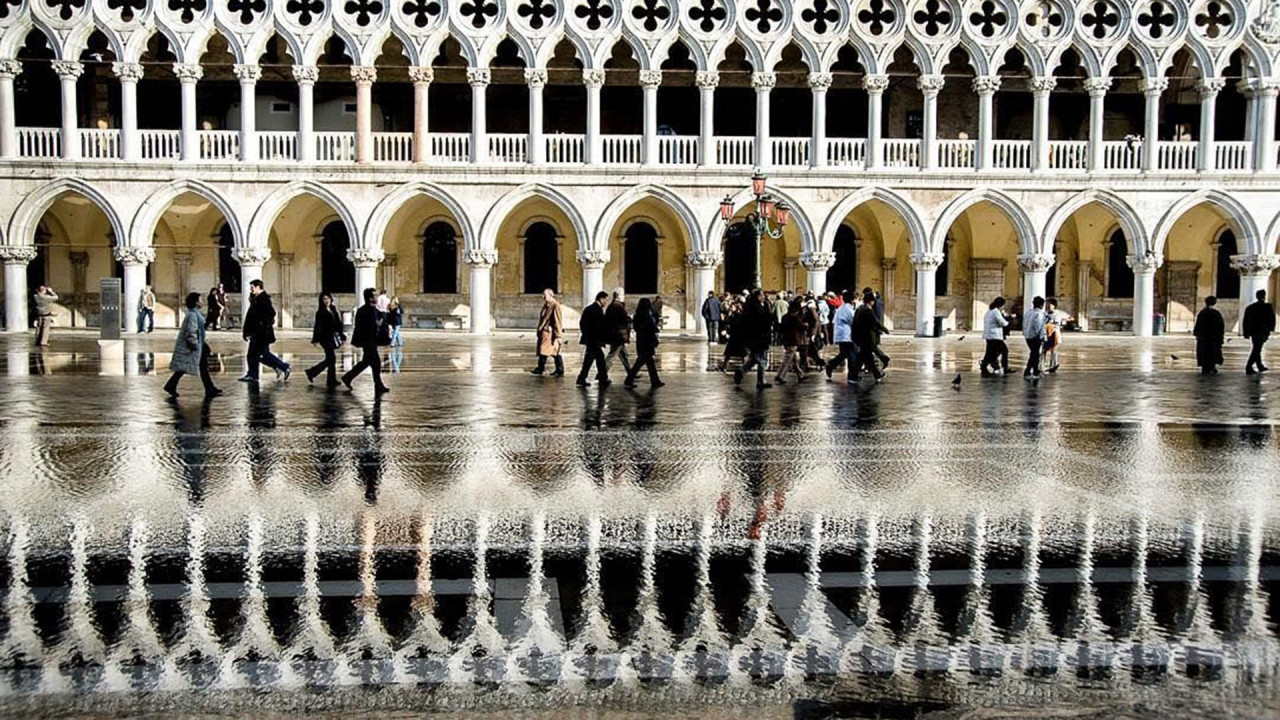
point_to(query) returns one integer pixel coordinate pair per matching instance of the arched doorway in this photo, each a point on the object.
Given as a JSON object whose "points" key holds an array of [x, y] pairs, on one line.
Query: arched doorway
{"points": [[1227, 279], [1119, 275], [843, 275], [640, 267], [541, 259], [337, 273], [739, 257], [228, 266], [440, 258]]}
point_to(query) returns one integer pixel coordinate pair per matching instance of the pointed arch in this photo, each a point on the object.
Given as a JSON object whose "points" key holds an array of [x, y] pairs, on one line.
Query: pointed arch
{"points": [[611, 214], [1134, 230], [154, 207], [504, 205], [1017, 217], [386, 209], [1238, 216], [808, 238], [269, 209], [22, 226], [915, 227]]}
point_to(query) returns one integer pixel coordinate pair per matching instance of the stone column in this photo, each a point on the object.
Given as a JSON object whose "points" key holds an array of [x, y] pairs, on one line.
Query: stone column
{"points": [[819, 83], [188, 75], [285, 307], [888, 281], [1151, 91], [79, 280], [986, 87], [816, 265], [251, 260], [15, 258], [763, 83], [1035, 272], [1097, 89], [704, 264], [594, 80], [182, 271], [248, 76], [537, 80], [1041, 90], [875, 85], [926, 267], [1084, 271], [364, 77], [649, 82], [9, 69], [366, 261], [789, 273], [388, 268], [1144, 292], [1255, 274], [930, 86], [592, 262], [1208, 89], [135, 261], [421, 77], [481, 262], [68, 72], [479, 79], [1265, 99], [1245, 88], [130, 143], [707, 82], [306, 77]]}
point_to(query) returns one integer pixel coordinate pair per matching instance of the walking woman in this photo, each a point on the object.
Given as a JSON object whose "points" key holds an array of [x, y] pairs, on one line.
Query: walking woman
{"points": [[190, 352], [550, 334], [326, 332], [645, 325], [395, 318], [995, 326], [794, 335]]}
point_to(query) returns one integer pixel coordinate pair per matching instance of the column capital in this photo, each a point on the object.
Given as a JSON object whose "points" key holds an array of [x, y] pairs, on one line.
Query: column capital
{"points": [[707, 79], [479, 76], [67, 69], [927, 262], [1154, 86], [188, 72], [593, 259], [127, 71], [363, 257], [306, 74], [135, 255], [875, 84], [480, 258], [704, 259], [986, 84], [1035, 262], [10, 69], [285, 260], [1266, 87], [593, 78], [1210, 87], [254, 256], [1043, 85], [817, 261], [17, 254], [364, 74], [930, 85], [420, 75], [1255, 264], [1144, 263], [1097, 86], [182, 259], [247, 73], [650, 78], [535, 78], [820, 81], [889, 263], [763, 80]]}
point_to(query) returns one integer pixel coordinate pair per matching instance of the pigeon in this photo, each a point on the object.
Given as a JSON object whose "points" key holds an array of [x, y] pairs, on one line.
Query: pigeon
{"points": [[961, 338], [955, 384], [1175, 357], [1228, 339]]}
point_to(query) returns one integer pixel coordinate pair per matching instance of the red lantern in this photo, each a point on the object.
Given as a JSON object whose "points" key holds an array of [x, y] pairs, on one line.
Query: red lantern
{"points": [[726, 208], [757, 183], [766, 206], [784, 213]]}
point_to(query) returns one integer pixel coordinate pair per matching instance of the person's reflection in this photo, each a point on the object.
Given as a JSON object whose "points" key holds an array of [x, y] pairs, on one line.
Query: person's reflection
{"points": [[328, 448], [191, 428], [645, 442], [1257, 433], [395, 356], [868, 406], [593, 443], [37, 366], [753, 462], [262, 423], [992, 404], [369, 459], [1031, 420], [146, 363]]}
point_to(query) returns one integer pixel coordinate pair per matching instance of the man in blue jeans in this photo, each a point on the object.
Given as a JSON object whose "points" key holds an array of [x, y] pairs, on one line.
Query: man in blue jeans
{"points": [[146, 310], [711, 313]]}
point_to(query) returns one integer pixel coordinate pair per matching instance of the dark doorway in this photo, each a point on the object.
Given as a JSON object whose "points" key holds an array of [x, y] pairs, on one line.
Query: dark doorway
{"points": [[337, 273], [1228, 285], [1119, 276], [739, 257], [541, 259], [941, 279], [228, 266], [640, 271], [843, 275], [440, 259]]}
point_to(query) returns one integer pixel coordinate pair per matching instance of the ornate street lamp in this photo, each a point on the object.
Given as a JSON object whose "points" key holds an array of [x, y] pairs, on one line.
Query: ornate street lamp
{"points": [[767, 209]]}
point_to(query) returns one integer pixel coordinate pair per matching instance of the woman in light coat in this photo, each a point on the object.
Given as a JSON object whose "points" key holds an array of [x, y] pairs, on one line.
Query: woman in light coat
{"points": [[550, 334], [190, 352]]}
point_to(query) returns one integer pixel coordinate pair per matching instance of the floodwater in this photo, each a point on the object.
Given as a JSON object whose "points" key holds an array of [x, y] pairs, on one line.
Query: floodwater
{"points": [[484, 541]]}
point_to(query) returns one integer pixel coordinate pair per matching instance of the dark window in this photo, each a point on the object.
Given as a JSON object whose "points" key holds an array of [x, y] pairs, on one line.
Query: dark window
{"points": [[439, 259], [1051, 278], [942, 278], [1119, 275], [1228, 285], [228, 266], [337, 274], [640, 273], [541, 259], [843, 275], [739, 257]]}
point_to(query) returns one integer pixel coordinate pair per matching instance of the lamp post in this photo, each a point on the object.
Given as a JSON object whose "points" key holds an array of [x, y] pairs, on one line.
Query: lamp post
{"points": [[767, 209]]}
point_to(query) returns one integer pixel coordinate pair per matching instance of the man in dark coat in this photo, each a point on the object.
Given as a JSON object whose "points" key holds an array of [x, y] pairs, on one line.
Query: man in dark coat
{"points": [[878, 307], [1209, 331], [365, 335], [595, 335], [619, 323], [259, 330], [866, 335], [1259, 323], [757, 329], [712, 313]]}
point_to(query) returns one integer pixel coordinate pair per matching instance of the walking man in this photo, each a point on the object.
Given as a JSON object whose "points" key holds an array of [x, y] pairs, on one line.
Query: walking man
{"points": [[646, 326], [216, 307], [146, 310], [711, 313], [1259, 323], [259, 331], [595, 336], [794, 339], [866, 335], [877, 306], [619, 324], [190, 351], [994, 327], [550, 334], [44, 299], [1034, 331], [1209, 331], [842, 336], [367, 335], [757, 324]]}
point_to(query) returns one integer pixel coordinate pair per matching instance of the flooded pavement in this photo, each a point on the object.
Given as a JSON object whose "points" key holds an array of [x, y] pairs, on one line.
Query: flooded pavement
{"points": [[481, 540]]}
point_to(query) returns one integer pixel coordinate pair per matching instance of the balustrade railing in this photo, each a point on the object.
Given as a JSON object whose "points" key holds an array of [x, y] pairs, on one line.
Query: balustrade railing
{"points": [[565, 149], [1122, 155], [847, 152], [623, 149], [789, 151], [335, 147], [219, 144], [957, 154], [99, 144], [901, 153], [39, 143], [739, 151], [509, 148], [1233, 155], [393, 147], [1011, 154], [277, 146], [1177, 155], [677, 150], [1069, 154], [450, 148], [160, 144]]}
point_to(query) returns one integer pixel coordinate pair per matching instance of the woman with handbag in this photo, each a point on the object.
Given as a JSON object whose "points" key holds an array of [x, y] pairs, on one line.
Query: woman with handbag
{"points": [[190, 352], [327, 333]]}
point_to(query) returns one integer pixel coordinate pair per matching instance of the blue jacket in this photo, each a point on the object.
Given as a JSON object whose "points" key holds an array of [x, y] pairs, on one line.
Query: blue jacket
{"points": [[843, 322], [711, 309]]}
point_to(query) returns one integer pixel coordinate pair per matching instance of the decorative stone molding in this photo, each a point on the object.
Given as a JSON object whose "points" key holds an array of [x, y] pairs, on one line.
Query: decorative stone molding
{"points": [[986, 84], [188, 72], [1145, 263], [707, 79], [593, 259], [1098, 86], [704, 259], [480, 258], [1043, 85], [593, 78], [1210, 87], [478, 76], [17, 254], [889, 263], [930, 85], [650, 78], [306, 74], [421, 75], [820, 81], [1267, 87], [816, 261], [247, 73], [875, 84], [1266, 27], [1255, 264], [252, 256], [363, 257], [10, 69], [926, 262], [68, 69], [1035, 262], [127, 71], [363, 74], [535, 78], [1153, 86], [135, 255], [763, 80]]}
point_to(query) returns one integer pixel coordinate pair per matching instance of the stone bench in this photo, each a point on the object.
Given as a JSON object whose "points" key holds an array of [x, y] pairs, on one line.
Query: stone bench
{"points": [[437, 322]]}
